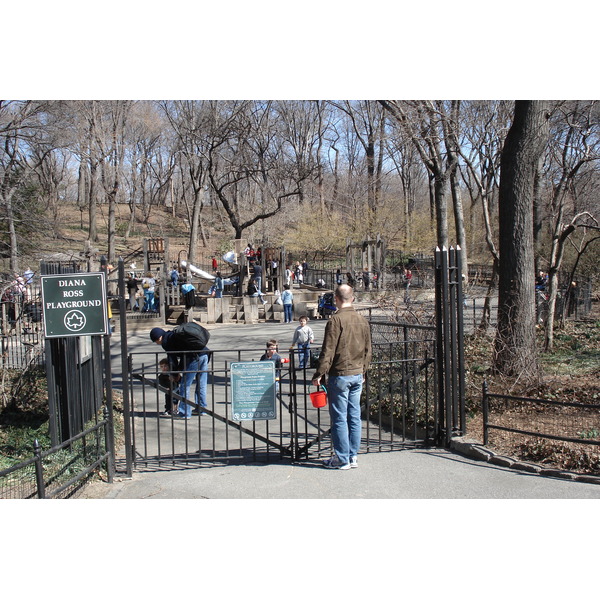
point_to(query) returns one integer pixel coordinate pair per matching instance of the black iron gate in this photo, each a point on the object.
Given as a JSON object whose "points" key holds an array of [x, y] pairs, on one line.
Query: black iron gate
{"points": [[413, 396], [398, 407]]}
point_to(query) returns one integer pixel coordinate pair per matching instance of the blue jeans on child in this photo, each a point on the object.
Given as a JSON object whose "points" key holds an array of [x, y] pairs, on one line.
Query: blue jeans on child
{"points": [[304, 355], [148, 301]]}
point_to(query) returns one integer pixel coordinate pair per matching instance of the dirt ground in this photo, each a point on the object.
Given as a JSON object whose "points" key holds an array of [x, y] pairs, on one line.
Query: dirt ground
{"points": [[571, 374]]}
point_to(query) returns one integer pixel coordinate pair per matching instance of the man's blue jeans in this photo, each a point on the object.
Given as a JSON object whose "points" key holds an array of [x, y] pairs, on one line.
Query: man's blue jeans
{"points": [[288, 313], [195, 369], [343, 393]]}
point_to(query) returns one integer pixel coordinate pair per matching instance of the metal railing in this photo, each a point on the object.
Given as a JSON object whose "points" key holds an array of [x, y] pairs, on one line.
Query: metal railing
{"points": [[60, 471], [21, 329], [574, 422], [215, 436], [398, 406]]}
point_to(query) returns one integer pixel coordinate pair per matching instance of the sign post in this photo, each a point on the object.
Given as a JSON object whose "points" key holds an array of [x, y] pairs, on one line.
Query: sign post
{"points": [[253, 391], [74, 305]]}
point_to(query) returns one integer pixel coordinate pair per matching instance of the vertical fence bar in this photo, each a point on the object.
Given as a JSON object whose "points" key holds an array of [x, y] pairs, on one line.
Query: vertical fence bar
{"points": [[109, 442], [386, 368], [484, 390], [426, 384], [39, 470], [439, 336], [128, 418], [405, 376], [226, 375], [446, 349], [157, 394], [452, 288], [144, 426], [125, 380], [460, 324]]}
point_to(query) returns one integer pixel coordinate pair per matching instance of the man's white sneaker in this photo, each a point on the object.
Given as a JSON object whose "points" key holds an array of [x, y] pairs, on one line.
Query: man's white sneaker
{"points": [[353, 462], [334, 463]]}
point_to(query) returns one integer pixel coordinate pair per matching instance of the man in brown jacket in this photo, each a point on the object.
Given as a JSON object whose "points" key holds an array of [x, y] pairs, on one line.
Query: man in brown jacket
{"points": [[345, 357]]}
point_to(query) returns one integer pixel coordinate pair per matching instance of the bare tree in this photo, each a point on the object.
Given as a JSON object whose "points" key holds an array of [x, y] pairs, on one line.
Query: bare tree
{"points": [[368, 122], [146, 174], [19, 126], [249, 166], [85, 117], [109, 132], [575, 145], [484, 125], [409, 167], [302, 127], [191, 123], [428, 124]]}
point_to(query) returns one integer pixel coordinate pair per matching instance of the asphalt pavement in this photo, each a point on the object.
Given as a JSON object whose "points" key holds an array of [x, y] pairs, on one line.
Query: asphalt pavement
{"points": [[400, 474]]}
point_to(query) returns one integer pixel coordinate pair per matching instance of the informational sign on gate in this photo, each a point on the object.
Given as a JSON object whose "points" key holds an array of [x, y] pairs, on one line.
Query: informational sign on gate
{"points": [[74, 304], [253, 391]]}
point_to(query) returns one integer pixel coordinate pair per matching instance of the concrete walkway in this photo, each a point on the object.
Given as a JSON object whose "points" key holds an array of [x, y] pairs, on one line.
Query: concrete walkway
{"points": [[416, 474]]}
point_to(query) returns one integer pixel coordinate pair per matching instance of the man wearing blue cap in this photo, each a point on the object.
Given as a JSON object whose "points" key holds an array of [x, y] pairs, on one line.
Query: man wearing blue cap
{"points": [[192, 365]]}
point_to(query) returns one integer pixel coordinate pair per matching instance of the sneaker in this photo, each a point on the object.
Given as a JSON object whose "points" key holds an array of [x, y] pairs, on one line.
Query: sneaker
{"points": [[353, 462], [334, 463]]}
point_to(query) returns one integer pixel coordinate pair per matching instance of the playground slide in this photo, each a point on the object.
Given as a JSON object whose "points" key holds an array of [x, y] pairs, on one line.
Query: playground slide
{"points": [[196, 271]]}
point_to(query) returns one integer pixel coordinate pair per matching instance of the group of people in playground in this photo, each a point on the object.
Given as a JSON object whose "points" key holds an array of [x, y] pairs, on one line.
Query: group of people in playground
{"points": [[142, 294], [343, 361]]}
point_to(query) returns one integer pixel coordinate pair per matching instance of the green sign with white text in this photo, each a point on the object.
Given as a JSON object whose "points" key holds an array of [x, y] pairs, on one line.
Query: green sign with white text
{"points": [[74, 304], [253, 391]]}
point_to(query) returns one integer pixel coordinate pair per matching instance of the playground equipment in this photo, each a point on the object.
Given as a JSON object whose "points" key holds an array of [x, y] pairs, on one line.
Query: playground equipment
{"points": [[369, 255], [196, 271]]}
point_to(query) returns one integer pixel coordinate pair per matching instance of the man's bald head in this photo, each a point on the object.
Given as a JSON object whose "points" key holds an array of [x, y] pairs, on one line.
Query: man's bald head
{"points": [[345, 293]]}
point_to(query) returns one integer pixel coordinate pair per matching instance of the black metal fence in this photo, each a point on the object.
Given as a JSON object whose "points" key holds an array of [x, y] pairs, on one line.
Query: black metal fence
{"points": [[215, 436], [21, 327], [573, 422], [60, 471], [401, 404], [398, 406]]}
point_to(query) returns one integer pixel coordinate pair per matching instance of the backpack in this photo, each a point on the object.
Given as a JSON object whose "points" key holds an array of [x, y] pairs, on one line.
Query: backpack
{"points": [[190, 336]]}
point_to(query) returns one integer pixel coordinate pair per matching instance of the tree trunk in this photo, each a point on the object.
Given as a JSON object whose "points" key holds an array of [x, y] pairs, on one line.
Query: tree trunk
{"points": [[459, 222], [515, 346], [92, 208], [132, 194], [12, 232], [112, 222], [195, 222], [537, 218], [431, 187], [441, 208]]}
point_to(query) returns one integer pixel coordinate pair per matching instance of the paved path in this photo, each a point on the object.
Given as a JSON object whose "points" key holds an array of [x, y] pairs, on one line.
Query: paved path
{"points": [[417, 474]]}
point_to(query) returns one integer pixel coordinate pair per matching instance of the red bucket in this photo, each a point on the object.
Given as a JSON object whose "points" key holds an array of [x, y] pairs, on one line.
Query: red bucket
{"points": [[318, 399]]}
